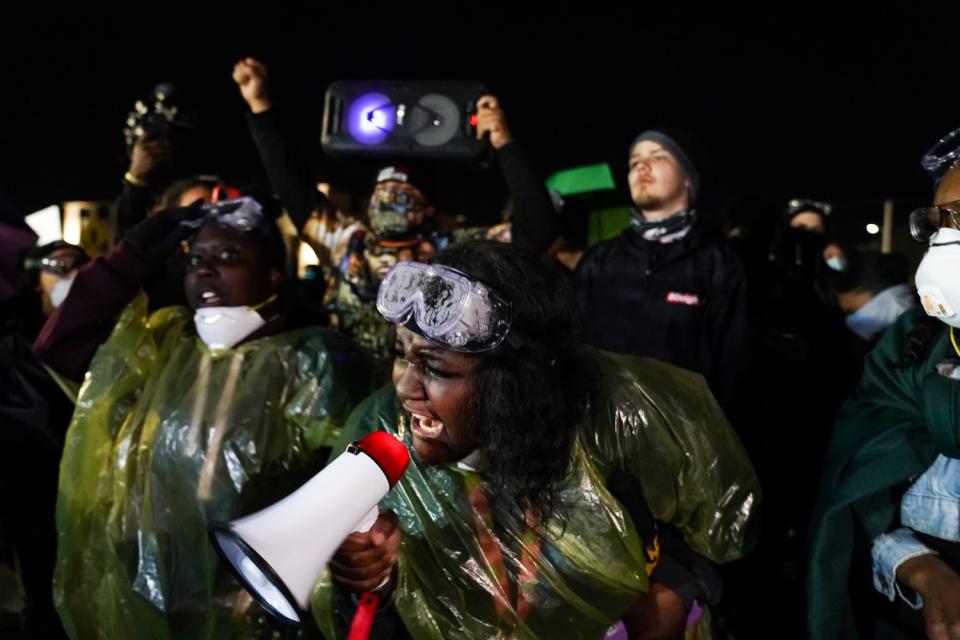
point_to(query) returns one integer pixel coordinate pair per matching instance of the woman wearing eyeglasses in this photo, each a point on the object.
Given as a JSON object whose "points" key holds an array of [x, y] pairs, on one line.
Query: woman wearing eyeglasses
{"points": [[890, 498], [505, 524]]}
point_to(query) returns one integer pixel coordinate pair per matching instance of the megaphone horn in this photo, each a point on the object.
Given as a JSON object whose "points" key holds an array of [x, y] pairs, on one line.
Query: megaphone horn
{"points": [[279, 552]]}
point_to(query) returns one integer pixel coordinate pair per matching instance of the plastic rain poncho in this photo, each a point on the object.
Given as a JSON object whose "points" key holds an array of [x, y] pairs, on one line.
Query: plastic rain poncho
{"points": [[168, 436], [652, 420]]}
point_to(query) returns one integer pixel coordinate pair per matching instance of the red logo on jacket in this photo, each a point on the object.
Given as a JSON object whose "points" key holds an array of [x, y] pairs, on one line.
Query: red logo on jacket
{"points": [[678, 297]]}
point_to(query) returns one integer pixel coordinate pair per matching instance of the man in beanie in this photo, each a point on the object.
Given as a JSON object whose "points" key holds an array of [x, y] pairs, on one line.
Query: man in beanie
{"points": [[666, 288]]}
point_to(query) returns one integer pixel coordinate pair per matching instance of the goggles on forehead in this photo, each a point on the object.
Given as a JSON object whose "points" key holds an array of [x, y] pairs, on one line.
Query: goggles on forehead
{"points": [[926, 221], [242, 214], [444, 305], [798, 205], [942, 155]]}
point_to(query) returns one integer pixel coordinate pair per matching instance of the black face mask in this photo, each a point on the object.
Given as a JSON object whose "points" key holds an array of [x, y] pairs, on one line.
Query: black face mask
{"points": [[800, 249]]}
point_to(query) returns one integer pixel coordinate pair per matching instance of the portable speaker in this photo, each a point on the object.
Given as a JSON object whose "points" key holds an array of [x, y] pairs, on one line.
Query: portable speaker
{"points": [[402, 119]]}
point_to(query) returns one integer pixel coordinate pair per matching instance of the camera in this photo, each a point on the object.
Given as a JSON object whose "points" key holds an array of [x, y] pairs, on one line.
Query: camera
{"points": [[155, 117]]}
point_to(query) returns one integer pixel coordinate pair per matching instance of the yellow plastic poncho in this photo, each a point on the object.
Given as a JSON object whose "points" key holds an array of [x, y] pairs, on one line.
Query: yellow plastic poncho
{"points": [[649, 419], [168, 436]]}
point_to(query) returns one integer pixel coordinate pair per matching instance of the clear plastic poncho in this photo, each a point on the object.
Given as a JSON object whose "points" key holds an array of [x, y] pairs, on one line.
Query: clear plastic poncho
{"points": [[649, 419], [168, 436]]}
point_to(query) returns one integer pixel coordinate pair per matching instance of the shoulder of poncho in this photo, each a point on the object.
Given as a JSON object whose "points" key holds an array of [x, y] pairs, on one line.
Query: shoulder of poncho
{"points": [[618, 378], [176, 319], [169, 315], [630, 395]]}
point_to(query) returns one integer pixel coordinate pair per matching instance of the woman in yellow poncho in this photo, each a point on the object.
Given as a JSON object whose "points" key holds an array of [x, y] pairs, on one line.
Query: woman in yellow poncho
{"points": [[185, 416]]}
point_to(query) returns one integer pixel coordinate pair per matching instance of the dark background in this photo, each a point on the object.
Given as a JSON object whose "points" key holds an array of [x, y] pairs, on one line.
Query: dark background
{"points": [[801, 105]]}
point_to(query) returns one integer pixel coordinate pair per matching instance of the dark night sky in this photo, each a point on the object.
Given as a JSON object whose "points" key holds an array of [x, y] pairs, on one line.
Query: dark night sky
{"points": [[797, 105]]}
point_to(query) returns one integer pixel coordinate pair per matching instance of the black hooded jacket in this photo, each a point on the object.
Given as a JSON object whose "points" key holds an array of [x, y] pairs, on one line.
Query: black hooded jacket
{"points": [[683, 302]]}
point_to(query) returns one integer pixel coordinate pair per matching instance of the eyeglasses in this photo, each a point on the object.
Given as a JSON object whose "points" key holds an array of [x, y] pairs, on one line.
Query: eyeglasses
{"points": [[799, 205], [61, 265], [926, 221], [58, 265]]}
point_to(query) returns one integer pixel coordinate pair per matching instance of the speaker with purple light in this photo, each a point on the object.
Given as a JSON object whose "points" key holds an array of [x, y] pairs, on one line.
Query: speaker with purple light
{"points": [[402, 119]]}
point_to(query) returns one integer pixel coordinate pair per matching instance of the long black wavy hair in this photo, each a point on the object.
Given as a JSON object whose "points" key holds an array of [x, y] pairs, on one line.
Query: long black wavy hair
{"points": [[527, 399]]}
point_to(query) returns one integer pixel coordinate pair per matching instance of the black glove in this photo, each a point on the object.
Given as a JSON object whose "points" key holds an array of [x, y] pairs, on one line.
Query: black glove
{"points": [[157, 237]]}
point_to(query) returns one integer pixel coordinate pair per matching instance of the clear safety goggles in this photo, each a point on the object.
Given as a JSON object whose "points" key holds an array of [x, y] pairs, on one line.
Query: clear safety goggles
{"points": [[242, 214], [444, 305], [942, 155]]}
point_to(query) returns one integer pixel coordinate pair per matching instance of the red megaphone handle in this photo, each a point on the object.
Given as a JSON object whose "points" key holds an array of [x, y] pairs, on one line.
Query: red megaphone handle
{"points": [[363, 618]]}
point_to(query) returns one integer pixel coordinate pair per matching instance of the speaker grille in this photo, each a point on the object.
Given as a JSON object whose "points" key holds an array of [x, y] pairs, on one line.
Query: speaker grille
{"points": [[401, 119]]}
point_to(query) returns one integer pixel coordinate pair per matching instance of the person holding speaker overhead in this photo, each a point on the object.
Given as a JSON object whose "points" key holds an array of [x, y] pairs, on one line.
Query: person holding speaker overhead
{"points": [[400, 212], [553, 489], [400, 216], [185, 416], [534, 216]]}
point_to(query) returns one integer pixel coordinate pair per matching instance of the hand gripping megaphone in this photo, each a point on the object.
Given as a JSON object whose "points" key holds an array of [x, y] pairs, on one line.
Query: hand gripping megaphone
{"points": [[279, 552]]}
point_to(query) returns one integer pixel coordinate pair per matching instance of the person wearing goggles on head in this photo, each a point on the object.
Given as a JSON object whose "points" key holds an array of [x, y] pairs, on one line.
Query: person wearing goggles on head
{"points": [[893, 480], [164, 287], [186, 415], [528, 451]]}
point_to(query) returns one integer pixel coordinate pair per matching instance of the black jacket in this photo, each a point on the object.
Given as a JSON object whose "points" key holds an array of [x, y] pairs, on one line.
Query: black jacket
{"points": [[287, 167], [682, 302]]}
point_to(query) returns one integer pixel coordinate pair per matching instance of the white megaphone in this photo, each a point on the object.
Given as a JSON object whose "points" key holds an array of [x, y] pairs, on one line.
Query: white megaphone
{"points": [[279, 552]]}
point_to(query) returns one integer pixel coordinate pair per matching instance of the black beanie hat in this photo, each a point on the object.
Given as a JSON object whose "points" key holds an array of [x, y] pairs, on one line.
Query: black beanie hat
{"points": [[682, 147]]}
